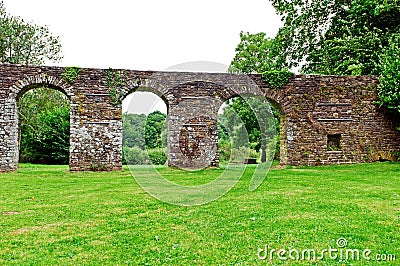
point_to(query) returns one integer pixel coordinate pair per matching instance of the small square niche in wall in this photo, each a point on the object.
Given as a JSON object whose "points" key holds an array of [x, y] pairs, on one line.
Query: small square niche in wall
{"points": [[333, 143]]}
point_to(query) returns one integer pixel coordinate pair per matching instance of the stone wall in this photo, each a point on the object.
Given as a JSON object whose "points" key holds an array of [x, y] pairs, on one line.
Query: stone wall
{"points": [[315, 111], [316, 107]]}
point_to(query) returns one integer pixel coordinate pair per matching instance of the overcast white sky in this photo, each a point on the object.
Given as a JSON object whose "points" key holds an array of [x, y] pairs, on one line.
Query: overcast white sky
{"points": [[147, 34]]}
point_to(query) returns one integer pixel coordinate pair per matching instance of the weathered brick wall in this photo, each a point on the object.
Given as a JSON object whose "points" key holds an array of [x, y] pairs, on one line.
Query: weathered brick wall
{"points": [[312, 107], [317, 106]]}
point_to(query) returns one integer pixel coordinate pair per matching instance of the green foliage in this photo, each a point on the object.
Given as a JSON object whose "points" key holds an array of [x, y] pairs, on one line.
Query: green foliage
{"points": [[116, 83], [141, 133], [347, 55], [157, 156], [277, 78], [43, 113], [74, 215], [328, 37], [256, 53], [355, 39], [335, 36], [135, 156], [154, 127], [389, 86], [144, 131], [133, 130], [70, 74], [235, 154], [246, 129], [44, 127], [26, 43], [222, 130], [224, 150]]}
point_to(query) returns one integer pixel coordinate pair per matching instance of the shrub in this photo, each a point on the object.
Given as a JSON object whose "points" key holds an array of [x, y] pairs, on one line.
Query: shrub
{"points": [[134, 156], [46, 139], [157, 156], [137, 156], [224, 150]]}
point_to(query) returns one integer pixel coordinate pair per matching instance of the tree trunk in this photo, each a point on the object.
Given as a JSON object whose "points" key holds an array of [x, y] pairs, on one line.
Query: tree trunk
{"points": [[263, 156]]}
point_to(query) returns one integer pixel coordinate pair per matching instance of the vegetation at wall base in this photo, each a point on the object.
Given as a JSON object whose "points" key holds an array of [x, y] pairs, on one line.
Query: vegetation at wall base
{"points": [[240, 124]]}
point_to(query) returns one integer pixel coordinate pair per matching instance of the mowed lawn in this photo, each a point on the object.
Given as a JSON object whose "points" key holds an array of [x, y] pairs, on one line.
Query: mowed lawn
{"points": [[49, 216]]}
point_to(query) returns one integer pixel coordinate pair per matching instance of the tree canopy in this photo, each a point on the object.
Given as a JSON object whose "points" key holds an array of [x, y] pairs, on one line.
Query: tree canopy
{"points": [[334, 37], [353, 31], [44, 113], [256, 54], [249, 122]]}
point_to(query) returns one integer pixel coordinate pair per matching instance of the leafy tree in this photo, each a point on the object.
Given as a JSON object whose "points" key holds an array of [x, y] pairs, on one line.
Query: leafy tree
{"points": [[44, 127], [134, 130], [157, 156], [26, 43], [348, 55], [256, 53], [134, 156], [143, 131], [44, 113], [339, 26], [251, 115], [154, 127], [143, 138], [389, 86], [353, 42], [360, 37], [335, 37]]}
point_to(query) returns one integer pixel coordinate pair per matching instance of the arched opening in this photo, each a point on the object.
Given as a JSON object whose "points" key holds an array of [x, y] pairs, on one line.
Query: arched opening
{"points": [[281, 132], [144, 133], [250, 126], [43, 125]]}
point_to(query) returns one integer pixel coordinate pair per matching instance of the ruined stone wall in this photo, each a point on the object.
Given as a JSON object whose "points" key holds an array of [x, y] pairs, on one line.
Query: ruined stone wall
{"points": [[315, 111], [320, 107]]}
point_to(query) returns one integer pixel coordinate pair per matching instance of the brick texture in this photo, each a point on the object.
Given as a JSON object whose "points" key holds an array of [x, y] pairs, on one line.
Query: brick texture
{"points": [[311, 106]]}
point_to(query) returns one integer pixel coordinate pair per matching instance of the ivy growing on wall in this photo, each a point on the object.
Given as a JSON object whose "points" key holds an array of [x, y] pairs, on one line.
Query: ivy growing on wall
{"points": [[115, 83], [70, 74], [277, 78]]}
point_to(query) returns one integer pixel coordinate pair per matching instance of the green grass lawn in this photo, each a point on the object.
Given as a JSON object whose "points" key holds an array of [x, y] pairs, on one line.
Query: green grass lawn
{"points": [[49, 216]]}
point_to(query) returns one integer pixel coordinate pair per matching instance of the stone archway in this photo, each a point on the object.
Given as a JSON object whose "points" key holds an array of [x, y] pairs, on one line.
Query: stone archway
{"points": [[282, 131], [9, 118], [313, 107]]}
